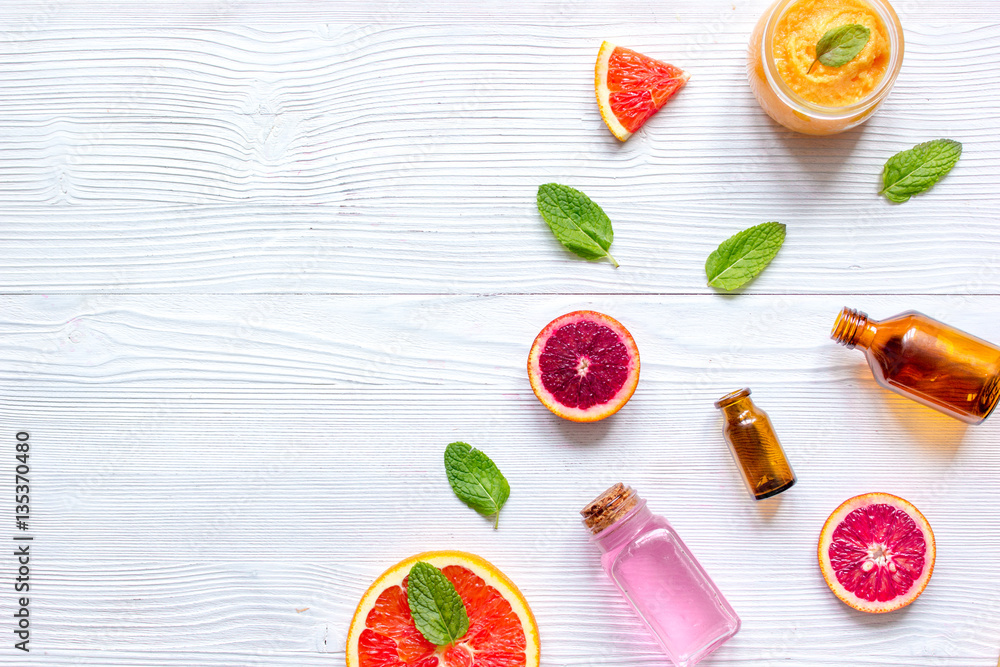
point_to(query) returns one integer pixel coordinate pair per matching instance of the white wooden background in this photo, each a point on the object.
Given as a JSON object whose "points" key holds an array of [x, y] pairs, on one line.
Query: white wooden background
{"points": [[261, 262]]}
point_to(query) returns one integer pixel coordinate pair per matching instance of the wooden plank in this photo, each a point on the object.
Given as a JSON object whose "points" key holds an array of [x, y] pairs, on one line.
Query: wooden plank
{"points": [[262, 262], [426, 340], [301, 659], [32, 17], [193, 494], [405, 158]]}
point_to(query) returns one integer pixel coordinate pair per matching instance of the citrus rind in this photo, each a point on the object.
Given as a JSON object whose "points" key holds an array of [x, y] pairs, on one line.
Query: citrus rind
{"points": [[596, 412], [604, 93], [826, 539], [481, 567], [638, 78]]}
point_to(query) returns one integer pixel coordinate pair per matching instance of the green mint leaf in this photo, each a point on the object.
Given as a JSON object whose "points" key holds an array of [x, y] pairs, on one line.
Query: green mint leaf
{"points": [[579, 224], [436, 608], [476, 480], [840, 46], [916, 170], [740, 258]]}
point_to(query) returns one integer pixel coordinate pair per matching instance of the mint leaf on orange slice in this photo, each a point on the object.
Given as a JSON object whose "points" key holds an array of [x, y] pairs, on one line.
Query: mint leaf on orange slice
{"points": [[502, 630], [915, 170], [578, 223], [740, 258], [435, 605], [476, 480]]}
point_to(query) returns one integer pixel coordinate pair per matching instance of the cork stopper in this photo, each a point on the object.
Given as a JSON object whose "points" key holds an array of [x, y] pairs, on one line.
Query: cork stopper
{"points": [[609, 507]]}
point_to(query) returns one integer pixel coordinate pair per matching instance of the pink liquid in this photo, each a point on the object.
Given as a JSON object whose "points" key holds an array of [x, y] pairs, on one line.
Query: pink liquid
{"points": [[667, 586]]}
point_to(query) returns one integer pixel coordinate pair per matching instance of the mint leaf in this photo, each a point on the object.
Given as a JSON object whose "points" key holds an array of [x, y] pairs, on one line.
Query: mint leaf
{"points": [[840, 46], [740, 258], [436, 608], [579, 224], [475, 479], [916, 170]]}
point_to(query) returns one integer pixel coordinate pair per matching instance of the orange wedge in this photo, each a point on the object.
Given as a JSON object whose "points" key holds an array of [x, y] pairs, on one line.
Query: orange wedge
{"points": [[632, 87]]}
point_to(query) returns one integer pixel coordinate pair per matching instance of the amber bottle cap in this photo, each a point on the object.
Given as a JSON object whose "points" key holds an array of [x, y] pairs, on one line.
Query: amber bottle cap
{"points": [[732, 397], [609, 507]]}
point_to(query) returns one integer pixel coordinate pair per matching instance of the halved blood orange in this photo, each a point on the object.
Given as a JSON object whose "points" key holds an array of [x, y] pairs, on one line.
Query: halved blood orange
{"points": [[584, 366], [502, 630], [876, 552], [632, 87]]}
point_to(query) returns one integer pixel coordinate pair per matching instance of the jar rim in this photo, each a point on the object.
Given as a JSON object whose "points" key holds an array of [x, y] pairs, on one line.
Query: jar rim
{"points": [[803, 106]]}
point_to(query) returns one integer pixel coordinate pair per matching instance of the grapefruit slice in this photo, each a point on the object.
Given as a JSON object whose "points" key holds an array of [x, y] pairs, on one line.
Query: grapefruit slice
{"points": [[584, 366], [502, 630], [632, 87], [876, 552]]}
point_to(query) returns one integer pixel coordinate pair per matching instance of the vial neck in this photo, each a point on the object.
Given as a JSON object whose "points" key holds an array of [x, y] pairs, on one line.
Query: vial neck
{"points": [[735, 411], [854, 329], [735, 404], [625, 529], [615, 516]]}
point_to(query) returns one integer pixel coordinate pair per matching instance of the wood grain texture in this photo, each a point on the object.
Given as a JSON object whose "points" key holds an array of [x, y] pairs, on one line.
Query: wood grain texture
{"points": [[390, 157], [195, 493], [35, 16], [263, 261]]}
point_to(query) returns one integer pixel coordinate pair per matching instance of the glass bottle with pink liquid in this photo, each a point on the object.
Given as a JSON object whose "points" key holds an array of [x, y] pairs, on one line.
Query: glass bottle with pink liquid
{"points": [[659, 576]]}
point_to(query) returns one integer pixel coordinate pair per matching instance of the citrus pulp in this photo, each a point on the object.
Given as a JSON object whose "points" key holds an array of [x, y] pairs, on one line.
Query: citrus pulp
{"points": [[502, 630], [584, 366], [632, 87], [876, 552]]}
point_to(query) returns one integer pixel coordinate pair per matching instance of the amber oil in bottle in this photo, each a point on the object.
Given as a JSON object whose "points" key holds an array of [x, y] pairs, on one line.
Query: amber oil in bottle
{"points": [[926, 360], [755, 446]]}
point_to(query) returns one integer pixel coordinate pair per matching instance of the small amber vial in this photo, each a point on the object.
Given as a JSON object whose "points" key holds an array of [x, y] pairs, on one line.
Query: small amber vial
{"points": [[754, 445], [926, 360]]}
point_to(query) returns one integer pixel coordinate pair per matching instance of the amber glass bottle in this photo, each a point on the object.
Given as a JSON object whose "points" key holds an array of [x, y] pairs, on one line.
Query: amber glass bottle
{"points": [[754, 445], [926, 360]]}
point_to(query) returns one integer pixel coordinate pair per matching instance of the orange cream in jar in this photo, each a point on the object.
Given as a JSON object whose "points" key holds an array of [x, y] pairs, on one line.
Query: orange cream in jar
{"points": [[823, 100], [794, 49]]}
